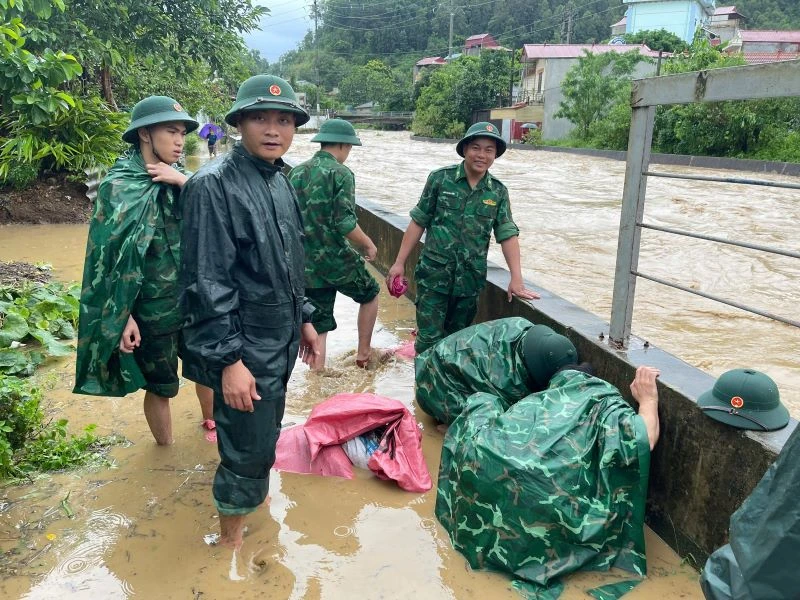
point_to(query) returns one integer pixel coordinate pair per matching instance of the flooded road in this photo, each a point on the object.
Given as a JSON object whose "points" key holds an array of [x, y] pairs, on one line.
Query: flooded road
{"points": [[138, 526], [567, 208]]}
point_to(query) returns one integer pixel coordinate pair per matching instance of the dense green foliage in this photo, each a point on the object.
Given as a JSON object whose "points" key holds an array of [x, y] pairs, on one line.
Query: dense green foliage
{"points": [[658, 39], [594, 85], [769, 14], [33, 320], [454, 91], [69, 65]]}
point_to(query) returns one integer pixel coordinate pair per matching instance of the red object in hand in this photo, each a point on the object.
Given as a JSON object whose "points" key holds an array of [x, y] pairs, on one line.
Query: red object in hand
{"points": [[398, 286]]}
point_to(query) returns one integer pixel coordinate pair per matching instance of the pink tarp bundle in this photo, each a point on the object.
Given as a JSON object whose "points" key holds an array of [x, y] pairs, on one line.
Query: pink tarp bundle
{"points": [[398, 286], [316, 446]]}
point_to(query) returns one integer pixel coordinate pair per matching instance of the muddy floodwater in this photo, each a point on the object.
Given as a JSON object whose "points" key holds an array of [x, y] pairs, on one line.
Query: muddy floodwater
{"points": [[138, 527]]}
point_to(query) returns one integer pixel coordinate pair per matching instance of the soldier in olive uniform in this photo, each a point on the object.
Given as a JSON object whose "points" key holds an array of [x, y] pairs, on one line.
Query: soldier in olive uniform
{"points": [[326, 193], [460, 206], [129, 317], [243, 293]]}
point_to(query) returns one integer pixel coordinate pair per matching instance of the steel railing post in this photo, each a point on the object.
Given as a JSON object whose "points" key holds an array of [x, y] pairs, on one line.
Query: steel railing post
{"points": [[633, 197]]}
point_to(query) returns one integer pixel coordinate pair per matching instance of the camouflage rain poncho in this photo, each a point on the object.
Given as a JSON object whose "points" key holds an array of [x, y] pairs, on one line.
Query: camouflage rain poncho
{"points": [[121, 230], [481, 358], [555, 484]]}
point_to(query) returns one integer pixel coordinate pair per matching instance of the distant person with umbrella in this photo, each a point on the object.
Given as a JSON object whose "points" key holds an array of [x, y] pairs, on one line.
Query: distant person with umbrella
{"points": [[212, 133]]}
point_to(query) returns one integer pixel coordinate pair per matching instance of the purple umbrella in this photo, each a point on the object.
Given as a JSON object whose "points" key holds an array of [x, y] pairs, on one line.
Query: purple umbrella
{"points": [[206, 130]]}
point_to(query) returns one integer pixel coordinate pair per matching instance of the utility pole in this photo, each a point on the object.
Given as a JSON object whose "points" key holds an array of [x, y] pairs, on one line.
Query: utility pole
{"points": [[511, 82], [570, 16], [316, 54], [450, 42]]}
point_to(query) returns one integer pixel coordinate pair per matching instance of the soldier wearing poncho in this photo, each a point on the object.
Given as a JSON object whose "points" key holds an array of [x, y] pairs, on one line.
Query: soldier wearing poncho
{"points": [[326, 193], [242, 279], [129, 318], [554, 484], [509, 358]]}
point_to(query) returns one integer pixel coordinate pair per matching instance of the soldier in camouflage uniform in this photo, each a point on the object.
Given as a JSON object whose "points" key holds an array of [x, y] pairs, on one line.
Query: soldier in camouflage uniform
{"points": [[129, 316], [509, 358], [326, 194], [554, 484], [459, 208]]}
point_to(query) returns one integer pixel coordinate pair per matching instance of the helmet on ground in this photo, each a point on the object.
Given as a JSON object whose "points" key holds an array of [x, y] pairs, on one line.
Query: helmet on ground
{"points": [[266, 92], [747, 399], [545, 352], [337, 131], [482, 129], [154, 110]]}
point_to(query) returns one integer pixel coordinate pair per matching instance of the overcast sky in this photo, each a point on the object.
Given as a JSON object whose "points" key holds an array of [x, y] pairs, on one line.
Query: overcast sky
{"points": [[282, 29]]}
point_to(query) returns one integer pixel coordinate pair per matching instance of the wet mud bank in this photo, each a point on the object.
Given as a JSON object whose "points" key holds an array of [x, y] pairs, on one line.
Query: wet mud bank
{"points": [[701, 470]]}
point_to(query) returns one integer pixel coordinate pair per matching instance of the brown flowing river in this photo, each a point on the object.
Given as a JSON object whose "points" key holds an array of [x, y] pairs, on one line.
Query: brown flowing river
{"points": [[138, 526]]}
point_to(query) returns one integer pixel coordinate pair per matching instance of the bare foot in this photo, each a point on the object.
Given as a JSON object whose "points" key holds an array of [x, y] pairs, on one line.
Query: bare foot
{"points": [[377, 356], [231, 529]]}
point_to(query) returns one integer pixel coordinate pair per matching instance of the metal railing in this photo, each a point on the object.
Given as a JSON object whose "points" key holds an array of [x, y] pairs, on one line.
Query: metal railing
{"points": [[757, 82]]}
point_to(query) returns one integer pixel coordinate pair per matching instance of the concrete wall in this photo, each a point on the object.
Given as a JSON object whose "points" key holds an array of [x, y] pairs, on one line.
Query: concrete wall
{"points": [[701, 470]]}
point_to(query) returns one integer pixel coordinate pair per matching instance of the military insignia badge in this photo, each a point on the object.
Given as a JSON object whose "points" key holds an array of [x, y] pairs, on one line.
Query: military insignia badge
{"points": [[490, 128], [490, 202], [177, 107], [737, 402], [275, 90]]}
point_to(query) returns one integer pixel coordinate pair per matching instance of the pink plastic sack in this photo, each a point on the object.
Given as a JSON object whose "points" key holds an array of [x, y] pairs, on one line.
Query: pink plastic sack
{"points": [[316, 446]]}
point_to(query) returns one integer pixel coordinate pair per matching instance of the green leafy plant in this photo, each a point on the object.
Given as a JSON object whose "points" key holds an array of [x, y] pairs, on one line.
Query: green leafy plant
{"points": [[29, 443], [33, 318], [85, 137], [191, 144]]}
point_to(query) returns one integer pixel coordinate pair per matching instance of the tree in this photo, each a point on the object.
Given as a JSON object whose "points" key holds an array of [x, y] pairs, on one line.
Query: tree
{"points": [[445, 105], [657, 39], [372, 82], [106, 36], [590, 88]]}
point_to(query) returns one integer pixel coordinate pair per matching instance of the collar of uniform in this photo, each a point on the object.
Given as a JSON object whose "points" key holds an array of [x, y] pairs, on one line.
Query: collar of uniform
{"points": [[263, 166], [325, 154], [485, 181]]}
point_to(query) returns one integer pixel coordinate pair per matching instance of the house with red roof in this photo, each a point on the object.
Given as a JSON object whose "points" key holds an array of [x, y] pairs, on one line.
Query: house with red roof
{"points": [[483, 41], [429, 62], [763, 46], [725, 23], [544, 67]]}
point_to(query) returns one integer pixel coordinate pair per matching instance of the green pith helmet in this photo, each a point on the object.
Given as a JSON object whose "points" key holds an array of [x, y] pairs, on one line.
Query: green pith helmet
{"points": [[154, 110], [545, 352], [337, 131], [482, 129], [746, 399], [266, 92]]}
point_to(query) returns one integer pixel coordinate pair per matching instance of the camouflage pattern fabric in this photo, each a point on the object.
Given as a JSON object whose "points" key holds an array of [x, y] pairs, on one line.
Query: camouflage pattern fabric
{"points": [[157, 358], [127, 214], [326, 195], [458, 222], [481, 358], [439, 315], [555, 484]]}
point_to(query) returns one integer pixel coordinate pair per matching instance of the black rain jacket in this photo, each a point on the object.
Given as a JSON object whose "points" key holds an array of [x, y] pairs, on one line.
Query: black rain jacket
{"points": [[241, 271]]}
